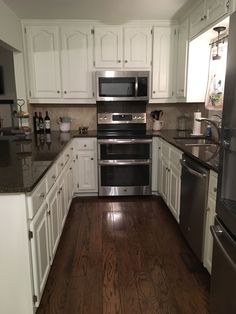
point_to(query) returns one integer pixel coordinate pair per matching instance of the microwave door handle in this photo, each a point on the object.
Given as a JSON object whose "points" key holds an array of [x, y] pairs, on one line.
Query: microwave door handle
{"points": [[216, 232]]}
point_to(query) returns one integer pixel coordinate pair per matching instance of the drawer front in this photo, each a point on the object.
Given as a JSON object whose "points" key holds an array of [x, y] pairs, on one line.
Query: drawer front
{"points": [[175, 156], [86, 144], [37, 197], [213, 184], [51, 177]]}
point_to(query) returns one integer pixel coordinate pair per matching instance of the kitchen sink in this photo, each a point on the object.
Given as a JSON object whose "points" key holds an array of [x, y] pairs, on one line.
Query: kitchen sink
{"points": [[196, 142]]}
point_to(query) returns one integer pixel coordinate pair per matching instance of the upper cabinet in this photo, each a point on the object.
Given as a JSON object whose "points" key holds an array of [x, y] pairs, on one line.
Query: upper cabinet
{"points": [[77, 62], [108, 44], [118, 47], [206, 13], [44, 61], [182, 59], [164, 45], [59, 71]]}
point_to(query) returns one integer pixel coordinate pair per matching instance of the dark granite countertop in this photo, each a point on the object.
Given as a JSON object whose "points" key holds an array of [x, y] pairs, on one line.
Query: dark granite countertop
{"points": [[25, 159], [208, 156]]}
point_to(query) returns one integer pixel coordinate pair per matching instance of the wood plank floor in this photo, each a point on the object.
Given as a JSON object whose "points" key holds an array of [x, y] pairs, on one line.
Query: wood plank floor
{"points": [[123, 256]]}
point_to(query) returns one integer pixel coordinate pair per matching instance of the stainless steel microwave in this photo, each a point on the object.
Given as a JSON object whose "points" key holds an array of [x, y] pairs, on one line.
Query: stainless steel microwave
{"points": [[122, 85]]}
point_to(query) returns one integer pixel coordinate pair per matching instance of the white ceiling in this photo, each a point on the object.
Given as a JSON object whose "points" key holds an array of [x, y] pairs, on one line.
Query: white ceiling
{"points": [[105, 10]]}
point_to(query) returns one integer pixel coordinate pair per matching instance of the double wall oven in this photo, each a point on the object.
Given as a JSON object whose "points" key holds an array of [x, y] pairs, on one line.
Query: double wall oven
{"points": [[124, 148]]}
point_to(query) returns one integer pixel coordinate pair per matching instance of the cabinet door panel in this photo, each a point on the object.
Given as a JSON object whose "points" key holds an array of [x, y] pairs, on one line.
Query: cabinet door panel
{"points": [[215, 9], [44, 63], [162, 73], [164, 190], [108, 47], [40, 250], [77, 62], [174, 191], [87, 172], [137, 47], [54, 220], [197, 19]]}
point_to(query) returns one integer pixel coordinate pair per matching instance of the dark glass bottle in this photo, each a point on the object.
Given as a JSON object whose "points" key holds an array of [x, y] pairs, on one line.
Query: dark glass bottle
{"points": [[36, 123], [47, 123], [41, 124]]}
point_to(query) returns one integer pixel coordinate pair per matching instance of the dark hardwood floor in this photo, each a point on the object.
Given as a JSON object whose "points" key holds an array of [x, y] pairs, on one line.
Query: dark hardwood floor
{"points": [[123, 255]]}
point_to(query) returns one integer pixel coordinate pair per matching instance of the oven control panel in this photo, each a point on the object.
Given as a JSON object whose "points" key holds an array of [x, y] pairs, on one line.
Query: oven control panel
{"points": [[121, 118]]}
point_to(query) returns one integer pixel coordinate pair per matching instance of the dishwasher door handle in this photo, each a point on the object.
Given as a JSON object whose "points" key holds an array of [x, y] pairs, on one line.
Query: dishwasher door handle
{"points": [[192, 171]]}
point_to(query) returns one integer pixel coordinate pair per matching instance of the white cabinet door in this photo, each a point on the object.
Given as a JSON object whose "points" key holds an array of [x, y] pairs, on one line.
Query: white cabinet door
{"points": [[43, 61], [197, 19], [54, 220], [40, 250], [77, 61], [87, 172], [62, 198], [164, 188], [216, 9], [155, 158], [137, 47], [208, 249], [182, 59], [108, 47], [162, 69], [174, 191]]}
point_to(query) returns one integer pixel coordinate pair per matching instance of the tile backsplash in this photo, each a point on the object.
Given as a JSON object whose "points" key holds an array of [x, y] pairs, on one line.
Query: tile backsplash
{"points": [[85, 115]]}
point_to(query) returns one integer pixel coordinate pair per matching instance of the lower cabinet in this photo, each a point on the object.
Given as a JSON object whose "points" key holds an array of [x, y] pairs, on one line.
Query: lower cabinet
{"points": [[170, 176], [40, 251], [86, 165], [210, 216]]}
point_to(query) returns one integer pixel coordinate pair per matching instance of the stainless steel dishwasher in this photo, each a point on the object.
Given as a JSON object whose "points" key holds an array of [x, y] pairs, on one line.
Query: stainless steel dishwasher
{"points": [[193, 203]]}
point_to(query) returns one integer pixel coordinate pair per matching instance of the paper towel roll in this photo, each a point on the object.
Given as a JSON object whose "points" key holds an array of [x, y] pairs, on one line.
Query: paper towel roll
{"points": [[196, 124]]}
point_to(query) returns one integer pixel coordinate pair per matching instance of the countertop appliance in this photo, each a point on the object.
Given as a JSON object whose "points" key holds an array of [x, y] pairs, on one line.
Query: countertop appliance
{"points": [[124, 149], [193, 203], [223, 279], [122, 85]]}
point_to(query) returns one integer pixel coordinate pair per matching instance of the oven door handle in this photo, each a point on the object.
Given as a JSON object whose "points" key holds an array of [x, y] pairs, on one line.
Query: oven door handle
{"points": [[125, 141], [124, 162]]}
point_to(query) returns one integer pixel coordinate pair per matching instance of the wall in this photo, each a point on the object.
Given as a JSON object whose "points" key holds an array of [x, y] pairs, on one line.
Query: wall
{"points": [[85, 115], [10, 28]]}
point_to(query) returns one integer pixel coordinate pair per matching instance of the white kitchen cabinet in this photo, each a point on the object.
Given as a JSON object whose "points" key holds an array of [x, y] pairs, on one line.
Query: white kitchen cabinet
{"points": [[108, 45], [39, 241], [170, 177], [206, 13], [164, 42], [43, 61], [118, 47], [182, 59], [86, 165], [77, 61], [54, 219], [60, 62], [155, 164], [137, 47], [62, 198], [210, 216]]}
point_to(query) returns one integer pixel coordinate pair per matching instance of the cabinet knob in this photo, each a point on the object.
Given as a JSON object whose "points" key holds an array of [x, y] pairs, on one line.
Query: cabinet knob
{"points": [[72, 148], [154, 92], [54, 177], [67, 155], [62, 164], [42, 195], [91, 158], [65, 92], [85, 145], [202, 18], [58, 92], [119, 61], [126, 61], [215, 190], [208, 209], [205, 17], [70, 168]]}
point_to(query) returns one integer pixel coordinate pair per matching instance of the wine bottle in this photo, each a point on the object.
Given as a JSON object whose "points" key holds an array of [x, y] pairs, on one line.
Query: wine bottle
{"points": [[36, 123], [47, 123], [41, 124]]}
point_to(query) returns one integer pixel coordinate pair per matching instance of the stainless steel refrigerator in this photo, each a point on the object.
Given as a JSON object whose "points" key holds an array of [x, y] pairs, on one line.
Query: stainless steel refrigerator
{"points": [[223, 280]]}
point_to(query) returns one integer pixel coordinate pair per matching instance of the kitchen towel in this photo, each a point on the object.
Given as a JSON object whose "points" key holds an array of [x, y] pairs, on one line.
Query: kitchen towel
{"points": [[196, 124]]}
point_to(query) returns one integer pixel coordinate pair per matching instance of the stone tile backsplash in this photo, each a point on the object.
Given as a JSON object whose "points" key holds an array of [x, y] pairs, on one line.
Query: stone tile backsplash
{"points": [[85, 115]]}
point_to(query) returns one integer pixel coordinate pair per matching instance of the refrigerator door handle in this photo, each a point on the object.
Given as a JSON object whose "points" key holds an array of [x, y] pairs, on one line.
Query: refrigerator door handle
{"points": [[216, 233]]}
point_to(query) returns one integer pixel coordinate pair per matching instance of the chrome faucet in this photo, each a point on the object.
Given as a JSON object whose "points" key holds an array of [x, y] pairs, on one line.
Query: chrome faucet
{"points": [[216, 124]]}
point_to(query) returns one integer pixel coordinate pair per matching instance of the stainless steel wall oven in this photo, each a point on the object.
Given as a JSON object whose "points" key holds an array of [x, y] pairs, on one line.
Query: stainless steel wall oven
{"points": [[124, 149]]}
